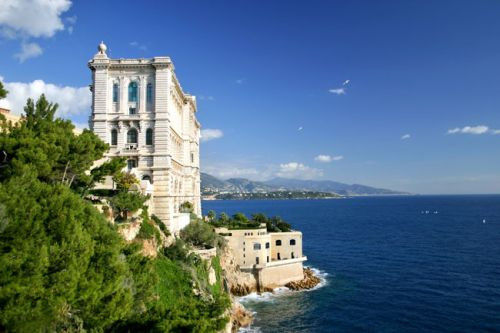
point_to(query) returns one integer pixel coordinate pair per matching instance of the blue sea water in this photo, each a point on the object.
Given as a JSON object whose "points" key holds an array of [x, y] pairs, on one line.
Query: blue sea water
{"points": [[388, 265]]}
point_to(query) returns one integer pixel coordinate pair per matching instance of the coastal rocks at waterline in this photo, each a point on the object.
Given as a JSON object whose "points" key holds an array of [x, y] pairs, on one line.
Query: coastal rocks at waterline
{"points": [[240, 317], [310, 281]]}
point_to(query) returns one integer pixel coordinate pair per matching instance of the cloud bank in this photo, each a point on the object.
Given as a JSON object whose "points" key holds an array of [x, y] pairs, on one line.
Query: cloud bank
{"points": [[71, 100]]}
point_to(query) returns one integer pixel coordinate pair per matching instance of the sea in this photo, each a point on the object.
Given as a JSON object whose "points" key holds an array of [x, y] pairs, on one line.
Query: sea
{"points": [[387, 264]]}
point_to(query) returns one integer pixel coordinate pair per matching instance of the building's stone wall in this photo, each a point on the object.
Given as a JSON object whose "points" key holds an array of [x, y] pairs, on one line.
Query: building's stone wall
{"points": [[272, 277], [171, 114]]}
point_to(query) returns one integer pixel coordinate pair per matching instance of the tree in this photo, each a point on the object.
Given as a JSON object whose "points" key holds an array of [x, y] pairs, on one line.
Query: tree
{"points": [[3, 92], [127, 202], [211, 215], [124, 180], [61, 265], [240, 217], [223, 218], [48, 147], [109, 168]]}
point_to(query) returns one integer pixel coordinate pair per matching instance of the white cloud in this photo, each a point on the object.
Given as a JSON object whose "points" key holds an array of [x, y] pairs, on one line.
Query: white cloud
{"points": [[25, 18], [211, 134], [495, 132], [346, 82], [139, 46], [300, 128], [337, 91], [71, 100], [406, 137], [240, 81], [298, 171], [328, 158], [28, 50], [480, 129]]}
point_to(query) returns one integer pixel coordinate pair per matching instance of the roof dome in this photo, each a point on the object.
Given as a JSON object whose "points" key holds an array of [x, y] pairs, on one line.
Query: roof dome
{"points": [[102, 48]]}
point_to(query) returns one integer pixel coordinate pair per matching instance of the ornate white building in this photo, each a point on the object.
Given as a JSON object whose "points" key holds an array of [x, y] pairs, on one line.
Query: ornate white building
{"points": [[141, 111]]}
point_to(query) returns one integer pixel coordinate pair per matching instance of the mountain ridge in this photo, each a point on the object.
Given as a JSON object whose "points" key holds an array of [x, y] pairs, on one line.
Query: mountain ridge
{"points": [[211, 185]]}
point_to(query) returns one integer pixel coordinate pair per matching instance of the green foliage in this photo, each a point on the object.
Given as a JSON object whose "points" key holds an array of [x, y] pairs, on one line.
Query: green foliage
{"points": [[177, 308], [127, 202], [124, 180], [148, 231], [98, 174], [63, 267], [60, 261], [160, 224], [48, 147], [199, 233], [211, 216], [240, 221], [186, 207], [177, 251], [3, 92]]}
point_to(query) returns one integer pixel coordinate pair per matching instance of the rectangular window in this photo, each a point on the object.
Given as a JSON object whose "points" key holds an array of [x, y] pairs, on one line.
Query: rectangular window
{"points": [[149, 93], [267, 258], [192, 158], [131, 164], [115, 92], [257, 260], [132, 111]]}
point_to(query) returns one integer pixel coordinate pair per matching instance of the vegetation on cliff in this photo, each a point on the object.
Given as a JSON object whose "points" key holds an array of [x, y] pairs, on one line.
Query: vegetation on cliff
{"points": [[63, 266], [241, 221]]}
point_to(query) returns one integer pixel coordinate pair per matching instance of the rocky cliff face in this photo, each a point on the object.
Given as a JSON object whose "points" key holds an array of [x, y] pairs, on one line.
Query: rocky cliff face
{"points": [[237, 282]]}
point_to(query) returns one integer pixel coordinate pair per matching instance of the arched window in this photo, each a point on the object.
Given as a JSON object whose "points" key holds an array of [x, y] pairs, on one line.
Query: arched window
{"points": [[132, 92], [114, 137], [292, 241], [132, 136], [115, 92], [149, 136], [278, 242], [146, 177], [149, 93]]}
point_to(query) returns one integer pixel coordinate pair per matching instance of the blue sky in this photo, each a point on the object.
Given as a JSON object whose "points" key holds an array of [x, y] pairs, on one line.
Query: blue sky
{"points": [[420, 111]]}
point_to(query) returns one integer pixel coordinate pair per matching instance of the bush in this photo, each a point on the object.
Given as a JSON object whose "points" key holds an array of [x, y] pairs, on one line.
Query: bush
{"points": [[199, 233], [186, 207], [161, 225], [127, 202]]}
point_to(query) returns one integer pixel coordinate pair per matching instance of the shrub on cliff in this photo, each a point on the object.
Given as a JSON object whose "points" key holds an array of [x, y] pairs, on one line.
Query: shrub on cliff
{"points": [[127, 202], [199, 233]]}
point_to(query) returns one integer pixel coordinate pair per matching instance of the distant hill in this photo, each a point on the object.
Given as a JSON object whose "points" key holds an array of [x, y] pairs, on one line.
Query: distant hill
{"points": [[211, 184]]}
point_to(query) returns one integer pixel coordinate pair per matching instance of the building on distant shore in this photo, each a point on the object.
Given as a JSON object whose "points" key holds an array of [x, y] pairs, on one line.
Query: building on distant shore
{"points": [[275, 258], [141, 111]]}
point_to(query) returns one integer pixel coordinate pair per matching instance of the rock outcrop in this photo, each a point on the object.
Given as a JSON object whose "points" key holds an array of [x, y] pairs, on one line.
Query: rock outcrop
{"points": [[237, 283], [310, 281], [240, 317]]}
